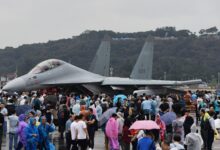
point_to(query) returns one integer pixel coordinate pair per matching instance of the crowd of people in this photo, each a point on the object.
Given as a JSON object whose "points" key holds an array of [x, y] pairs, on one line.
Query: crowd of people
{"points": [[33, 117], [28, 130]]}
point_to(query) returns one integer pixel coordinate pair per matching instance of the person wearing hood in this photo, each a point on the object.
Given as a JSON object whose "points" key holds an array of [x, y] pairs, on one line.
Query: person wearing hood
{"points": [[76, 108], [120, 121], [176, 145], [32, 135], [193, 140], [216, 105], [112, 132], [87, 100], [44, 129], [98, 109], [21, 131]]}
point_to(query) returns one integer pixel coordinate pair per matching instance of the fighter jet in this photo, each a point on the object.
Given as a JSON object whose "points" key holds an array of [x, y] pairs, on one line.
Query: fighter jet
{"points": [[54, 72]]}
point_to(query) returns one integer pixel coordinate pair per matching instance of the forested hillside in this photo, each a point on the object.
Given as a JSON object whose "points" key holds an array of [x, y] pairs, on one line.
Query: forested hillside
{"points": [[181, 54]]}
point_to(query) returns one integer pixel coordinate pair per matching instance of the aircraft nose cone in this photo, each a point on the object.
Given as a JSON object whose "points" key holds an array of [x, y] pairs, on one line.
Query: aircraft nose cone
{"points": [[14, 85]]}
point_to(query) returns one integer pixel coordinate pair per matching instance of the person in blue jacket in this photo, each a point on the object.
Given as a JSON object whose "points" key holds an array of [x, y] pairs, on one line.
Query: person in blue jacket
{"points": [[146, 142], [44, 129], [32, 135], [216, 105]]}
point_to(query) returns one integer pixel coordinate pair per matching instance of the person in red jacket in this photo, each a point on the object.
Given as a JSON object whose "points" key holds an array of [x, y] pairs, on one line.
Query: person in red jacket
{"points": [[126, 136]]}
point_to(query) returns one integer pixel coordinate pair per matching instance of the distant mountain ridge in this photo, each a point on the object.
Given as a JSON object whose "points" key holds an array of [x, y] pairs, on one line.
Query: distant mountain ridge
{"points": [[181, 54]]}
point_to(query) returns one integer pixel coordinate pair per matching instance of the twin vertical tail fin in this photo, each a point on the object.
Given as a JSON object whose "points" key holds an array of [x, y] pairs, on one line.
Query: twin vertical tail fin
{"points": [[101, 62], [142, 69], [144, 63]]}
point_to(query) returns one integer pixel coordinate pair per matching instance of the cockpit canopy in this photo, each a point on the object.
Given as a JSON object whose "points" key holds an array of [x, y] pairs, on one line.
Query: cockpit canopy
{"points": [[46, 65]]}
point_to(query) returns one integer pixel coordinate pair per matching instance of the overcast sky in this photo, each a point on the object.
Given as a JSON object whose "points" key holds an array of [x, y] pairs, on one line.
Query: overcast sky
{"points": [[32, 21]]}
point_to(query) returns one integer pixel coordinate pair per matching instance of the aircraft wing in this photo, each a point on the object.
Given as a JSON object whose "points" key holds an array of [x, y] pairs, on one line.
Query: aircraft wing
{"points": [[127, 81]]}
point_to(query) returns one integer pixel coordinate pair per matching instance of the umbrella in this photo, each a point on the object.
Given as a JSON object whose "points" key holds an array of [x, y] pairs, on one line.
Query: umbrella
{"points": [[31, 110], [217, 123], [121, 96], [106, 115], [168, 117], [144, 125], [22, 109]]}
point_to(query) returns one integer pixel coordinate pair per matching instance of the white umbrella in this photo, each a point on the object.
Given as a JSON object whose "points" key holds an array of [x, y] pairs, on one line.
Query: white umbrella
{"points": [[106, 115]]}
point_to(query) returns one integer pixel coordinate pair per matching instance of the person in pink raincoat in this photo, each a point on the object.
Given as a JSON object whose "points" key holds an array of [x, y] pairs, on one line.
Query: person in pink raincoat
{"points": [[112, 132], [162, 126]]}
